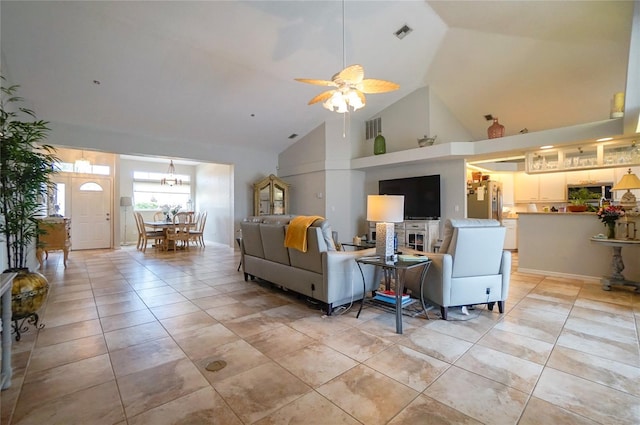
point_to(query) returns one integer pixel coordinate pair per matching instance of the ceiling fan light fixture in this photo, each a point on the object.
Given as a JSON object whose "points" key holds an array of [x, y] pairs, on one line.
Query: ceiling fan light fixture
{"points": [[342, 102], [350, 84]]}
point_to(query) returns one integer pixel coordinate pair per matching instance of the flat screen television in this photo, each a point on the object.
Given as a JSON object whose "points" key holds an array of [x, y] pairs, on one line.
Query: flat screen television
{"points": [[421, 195]]}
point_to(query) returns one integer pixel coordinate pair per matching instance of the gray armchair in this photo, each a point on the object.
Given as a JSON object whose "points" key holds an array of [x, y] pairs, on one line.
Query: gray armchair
{"points": [[471, 267]]}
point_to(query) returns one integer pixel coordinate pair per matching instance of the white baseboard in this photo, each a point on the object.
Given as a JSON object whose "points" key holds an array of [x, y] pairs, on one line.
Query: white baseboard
{"points": [[595, 279]]}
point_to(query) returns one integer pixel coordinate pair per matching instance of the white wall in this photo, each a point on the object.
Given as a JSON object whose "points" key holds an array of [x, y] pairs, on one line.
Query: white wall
{"points": [[214, 194], [249, 165], [444, 124], [322, 183], [420, 113], [317, 164], [453, 186]]}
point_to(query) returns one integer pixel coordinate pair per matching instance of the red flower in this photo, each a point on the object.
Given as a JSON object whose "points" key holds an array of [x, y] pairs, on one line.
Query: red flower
{"points": [[610, 214]]}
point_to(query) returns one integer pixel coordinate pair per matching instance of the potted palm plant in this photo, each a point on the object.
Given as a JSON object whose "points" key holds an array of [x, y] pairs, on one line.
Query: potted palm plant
{"points": [[26, 168]]}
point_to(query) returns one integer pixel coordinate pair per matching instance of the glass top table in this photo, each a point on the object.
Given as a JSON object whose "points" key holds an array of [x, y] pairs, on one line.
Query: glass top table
{"points": [[397, 270]]}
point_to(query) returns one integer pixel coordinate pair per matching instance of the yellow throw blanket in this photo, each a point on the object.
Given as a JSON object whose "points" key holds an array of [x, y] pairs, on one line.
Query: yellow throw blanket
{"points": [[296, 236]]}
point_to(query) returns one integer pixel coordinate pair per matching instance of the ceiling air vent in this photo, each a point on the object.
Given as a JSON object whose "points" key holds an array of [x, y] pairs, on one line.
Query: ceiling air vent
{"points": [[402, 32], [373, 127], [293, 136]]}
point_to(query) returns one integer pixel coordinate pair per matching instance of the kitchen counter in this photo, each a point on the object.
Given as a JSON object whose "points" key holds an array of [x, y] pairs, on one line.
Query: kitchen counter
{"points": [[559, 244], [558, 213]]}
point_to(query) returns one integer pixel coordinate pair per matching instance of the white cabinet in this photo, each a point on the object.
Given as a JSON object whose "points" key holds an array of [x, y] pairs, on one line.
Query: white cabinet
{"points": [[540, 187], [605, 175], [511, 237], [420, 235], [525, 188], [586, 157], [552, 188]]}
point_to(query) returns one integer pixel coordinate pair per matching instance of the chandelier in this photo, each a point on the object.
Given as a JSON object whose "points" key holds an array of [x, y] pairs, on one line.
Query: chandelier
{"points": [[171, 179], [82, 165]]}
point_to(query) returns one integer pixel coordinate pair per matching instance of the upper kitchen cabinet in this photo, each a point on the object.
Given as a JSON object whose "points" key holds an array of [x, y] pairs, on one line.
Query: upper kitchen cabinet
{"points": [[585, 157], [598, 175], [539, 188], [271, 196]]}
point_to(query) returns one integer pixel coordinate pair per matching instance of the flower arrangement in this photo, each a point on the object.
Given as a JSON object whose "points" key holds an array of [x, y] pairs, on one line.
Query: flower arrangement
{"points": [[170, 210], [610, 214]]}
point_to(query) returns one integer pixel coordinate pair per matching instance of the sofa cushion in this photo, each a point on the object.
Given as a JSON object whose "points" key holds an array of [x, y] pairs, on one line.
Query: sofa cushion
{"points": [[273, 243], [251, 239], [310, 260], [327, 233]]}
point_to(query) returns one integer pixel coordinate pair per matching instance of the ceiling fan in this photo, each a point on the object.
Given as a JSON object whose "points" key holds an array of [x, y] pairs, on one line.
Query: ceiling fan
{"points": [[350, 87], [350, 84]]}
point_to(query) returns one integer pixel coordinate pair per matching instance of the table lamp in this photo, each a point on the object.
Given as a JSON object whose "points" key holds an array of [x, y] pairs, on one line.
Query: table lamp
{"points": [[627, 182], [385, 210]]}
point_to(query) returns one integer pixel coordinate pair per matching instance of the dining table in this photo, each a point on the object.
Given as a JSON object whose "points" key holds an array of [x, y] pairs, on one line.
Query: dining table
{"points": [[164, 226]]}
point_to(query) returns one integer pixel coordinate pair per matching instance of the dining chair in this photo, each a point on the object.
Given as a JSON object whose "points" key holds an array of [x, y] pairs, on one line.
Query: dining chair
{"points": [[140, 227], [159, 216], [156, 235], [178, 231], [197, 234]]}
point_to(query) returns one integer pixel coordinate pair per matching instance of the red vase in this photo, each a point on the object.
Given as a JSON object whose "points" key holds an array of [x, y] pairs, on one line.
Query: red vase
{"points": [[495, 130]]}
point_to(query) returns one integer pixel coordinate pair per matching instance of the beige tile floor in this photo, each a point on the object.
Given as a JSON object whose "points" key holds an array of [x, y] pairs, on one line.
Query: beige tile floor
{"points": [[128, 337]]}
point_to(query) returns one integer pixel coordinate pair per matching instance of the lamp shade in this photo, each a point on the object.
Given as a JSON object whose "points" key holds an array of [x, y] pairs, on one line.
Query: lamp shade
{"points": [[385, 208], [628, 181], [125, 201]]}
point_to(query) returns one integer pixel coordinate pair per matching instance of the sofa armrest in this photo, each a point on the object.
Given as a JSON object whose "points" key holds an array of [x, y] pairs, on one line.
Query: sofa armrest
{"points": [[505, 270], [341, 272], [437, 282]]}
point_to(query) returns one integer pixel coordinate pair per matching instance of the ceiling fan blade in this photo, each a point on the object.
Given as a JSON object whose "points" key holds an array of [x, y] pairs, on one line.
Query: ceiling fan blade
{"points": [[316, 82], [321, 97], [361, 96], [352, 74], [371, 85]]}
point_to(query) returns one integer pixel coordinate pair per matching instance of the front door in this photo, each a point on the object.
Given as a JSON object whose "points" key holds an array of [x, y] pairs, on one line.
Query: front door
{"points": [[91, 213]]}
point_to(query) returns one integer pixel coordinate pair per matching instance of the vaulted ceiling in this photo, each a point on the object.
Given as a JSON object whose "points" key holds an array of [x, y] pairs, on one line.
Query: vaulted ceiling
{"points": [[222, 72]]}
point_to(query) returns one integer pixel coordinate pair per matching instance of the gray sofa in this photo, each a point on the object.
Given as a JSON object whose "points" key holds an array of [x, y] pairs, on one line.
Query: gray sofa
{"points": [[322, 273]]}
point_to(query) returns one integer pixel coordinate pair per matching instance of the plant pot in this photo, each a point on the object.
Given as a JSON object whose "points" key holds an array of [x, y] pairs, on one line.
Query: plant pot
{"points": [[28, 293], [577, 208]]}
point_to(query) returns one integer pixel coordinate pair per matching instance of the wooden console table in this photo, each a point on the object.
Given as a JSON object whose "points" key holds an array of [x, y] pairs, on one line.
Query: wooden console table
{"points": [[617, 266], [56, 236]]}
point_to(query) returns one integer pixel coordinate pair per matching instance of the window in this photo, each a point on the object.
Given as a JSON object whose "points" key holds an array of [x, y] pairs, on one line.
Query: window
{"points": [[68, 167], [149, 194]]}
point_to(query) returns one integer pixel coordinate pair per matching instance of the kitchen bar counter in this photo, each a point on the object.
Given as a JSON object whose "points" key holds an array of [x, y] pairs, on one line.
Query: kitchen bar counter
{"points": [[559, 213], [559, 244]]}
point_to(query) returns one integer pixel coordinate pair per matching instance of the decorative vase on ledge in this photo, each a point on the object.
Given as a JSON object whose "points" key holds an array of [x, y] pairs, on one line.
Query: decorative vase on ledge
{"points": [[611, 230], [379, 145], [495, 130]]}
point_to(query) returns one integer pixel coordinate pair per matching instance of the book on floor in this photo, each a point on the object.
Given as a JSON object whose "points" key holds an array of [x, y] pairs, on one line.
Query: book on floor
{"points": [[391, 295], [392, 300]]}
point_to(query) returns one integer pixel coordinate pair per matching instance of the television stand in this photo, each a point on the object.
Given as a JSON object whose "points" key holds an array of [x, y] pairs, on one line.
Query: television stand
{"points": [[421, 235]]}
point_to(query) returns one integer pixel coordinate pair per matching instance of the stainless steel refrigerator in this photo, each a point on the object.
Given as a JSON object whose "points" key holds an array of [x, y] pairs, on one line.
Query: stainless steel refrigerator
{"points": [[484, 200]]}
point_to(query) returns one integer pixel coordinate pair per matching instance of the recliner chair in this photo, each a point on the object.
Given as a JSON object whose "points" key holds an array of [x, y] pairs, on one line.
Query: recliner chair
{"points": [[470, 268]]}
